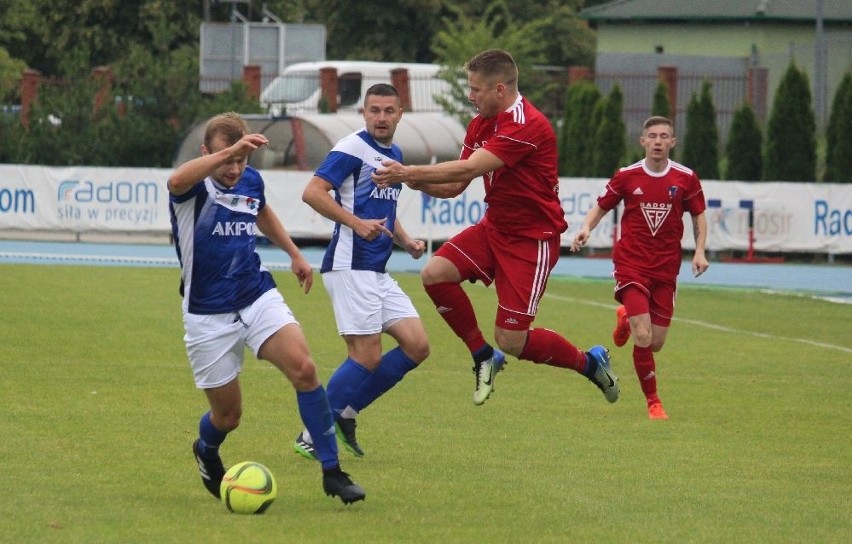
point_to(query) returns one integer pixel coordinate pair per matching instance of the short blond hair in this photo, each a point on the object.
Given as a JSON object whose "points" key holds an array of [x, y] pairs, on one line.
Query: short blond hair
{"points": [[230, 125], [496, 66]]}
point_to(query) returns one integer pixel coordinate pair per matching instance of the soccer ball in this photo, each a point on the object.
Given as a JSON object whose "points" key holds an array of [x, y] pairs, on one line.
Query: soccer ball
{"points": [[248, 488]]}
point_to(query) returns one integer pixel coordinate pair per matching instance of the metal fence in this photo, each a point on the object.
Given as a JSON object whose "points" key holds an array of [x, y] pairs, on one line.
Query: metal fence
{"points": [[728, 92]]}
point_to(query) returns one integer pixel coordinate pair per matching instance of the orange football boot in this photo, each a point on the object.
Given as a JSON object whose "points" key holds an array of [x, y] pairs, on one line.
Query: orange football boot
{"points": [[655, 411], [621, 333]]}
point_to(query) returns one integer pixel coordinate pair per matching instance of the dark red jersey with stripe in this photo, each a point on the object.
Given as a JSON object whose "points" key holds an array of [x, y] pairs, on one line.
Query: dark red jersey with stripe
{"points": [[523, 195]]}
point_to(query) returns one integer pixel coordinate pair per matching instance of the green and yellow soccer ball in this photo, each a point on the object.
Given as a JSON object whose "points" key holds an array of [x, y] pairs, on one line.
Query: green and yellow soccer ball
{"points": [[248, 488]]}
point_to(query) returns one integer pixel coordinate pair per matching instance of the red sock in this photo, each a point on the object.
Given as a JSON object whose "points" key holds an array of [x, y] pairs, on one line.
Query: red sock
{"points": [[643, 362], [455, 307], [545, 346]]}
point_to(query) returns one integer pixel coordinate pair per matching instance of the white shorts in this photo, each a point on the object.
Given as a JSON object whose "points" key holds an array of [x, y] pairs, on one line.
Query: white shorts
{"points": [[366, 302], [216, 343]]}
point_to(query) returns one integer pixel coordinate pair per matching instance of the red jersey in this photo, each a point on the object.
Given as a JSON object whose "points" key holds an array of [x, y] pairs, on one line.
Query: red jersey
{"points": [[523, 195], [652, 223]]}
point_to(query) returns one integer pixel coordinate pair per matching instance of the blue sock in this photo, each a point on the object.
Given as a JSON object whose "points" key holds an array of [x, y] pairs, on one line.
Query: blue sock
{"points": [[344, 383], [395, 364], [211, 437], [591, 366], [316, 415]]}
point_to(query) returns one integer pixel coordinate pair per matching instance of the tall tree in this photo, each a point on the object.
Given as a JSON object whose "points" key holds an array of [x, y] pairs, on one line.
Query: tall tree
{"points": [[838, 160], [661, 104], [745, 147], [701, 144], [576, 151], [791, 133], [610, 137]]}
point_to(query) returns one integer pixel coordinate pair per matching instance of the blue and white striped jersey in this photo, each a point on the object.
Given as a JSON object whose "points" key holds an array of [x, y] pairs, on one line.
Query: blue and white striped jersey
{"points": [[215, 229], [348, 167]]}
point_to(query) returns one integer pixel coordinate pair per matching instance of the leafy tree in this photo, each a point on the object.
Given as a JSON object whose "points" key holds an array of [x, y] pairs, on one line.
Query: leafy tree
{"points": [[701, 144], [463, 37], [609, 143], [152, 48], [838, 160], [576, 139], [10, 77], [359, 30], [790, 135], [61, 131], [661, 104], [744, 147], [104, 28]]}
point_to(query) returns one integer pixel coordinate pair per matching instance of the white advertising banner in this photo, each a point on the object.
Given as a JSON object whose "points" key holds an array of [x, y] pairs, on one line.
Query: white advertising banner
{"points": [[781, 217]]}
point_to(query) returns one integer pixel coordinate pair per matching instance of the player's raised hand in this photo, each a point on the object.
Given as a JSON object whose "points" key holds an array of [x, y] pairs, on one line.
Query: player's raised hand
{"points": [[247, 144]]}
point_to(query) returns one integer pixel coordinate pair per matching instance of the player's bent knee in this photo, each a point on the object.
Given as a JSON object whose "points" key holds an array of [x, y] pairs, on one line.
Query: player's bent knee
{"points": [[229, 421], [418, 353], [303, 375], [511, 342]]}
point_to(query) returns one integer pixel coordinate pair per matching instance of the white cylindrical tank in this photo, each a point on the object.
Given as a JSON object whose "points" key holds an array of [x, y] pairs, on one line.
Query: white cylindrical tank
{"points": [[302, 141]]}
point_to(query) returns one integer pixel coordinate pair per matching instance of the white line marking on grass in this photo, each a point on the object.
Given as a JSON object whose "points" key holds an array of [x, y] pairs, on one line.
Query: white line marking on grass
{"points": [[720, 328]]}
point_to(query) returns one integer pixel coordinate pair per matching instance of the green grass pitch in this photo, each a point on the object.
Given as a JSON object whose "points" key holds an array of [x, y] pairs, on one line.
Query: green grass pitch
{"points": [[99, 412]]}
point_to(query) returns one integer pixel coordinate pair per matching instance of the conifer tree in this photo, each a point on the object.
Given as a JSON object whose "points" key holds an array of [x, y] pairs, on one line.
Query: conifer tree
{"points": [[790, 135], [577, 134], [701, 144], [609, 145], [838, 160], [661, 100], [745, 147]]}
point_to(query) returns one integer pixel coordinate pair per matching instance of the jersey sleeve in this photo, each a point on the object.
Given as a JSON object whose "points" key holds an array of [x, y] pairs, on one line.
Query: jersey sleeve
{"points": [[261, 185], [611, 194], [338, 166], [694, 201]]}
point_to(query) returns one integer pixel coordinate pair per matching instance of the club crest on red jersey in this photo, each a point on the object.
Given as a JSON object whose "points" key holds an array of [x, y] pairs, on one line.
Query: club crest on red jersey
{"points": [[655, 214]]}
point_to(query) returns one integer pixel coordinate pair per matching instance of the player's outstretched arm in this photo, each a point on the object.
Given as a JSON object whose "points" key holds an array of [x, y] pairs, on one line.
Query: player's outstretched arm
{"points": [[450, 172], [195, 170], [271, 226]]}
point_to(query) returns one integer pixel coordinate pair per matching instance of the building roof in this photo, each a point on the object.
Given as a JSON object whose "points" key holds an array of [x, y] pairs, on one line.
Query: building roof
{"points": [[835, 11]]}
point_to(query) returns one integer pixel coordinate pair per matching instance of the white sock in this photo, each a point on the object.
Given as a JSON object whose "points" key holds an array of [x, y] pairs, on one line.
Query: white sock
{"points": [[349, 413]]}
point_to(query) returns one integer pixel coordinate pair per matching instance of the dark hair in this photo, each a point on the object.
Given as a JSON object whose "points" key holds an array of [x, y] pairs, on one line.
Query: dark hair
{"points": [[657, 120], [231, 126], [381, 89], [496, 65]]}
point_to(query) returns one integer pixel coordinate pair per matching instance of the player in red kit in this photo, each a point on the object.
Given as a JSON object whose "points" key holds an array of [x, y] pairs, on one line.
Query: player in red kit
{"points": [[656, 192], [516, 244]]}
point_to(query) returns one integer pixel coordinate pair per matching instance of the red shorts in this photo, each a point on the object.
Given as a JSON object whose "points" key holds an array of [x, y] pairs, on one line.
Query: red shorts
{"points": [[643, 295], [517, 265]]}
